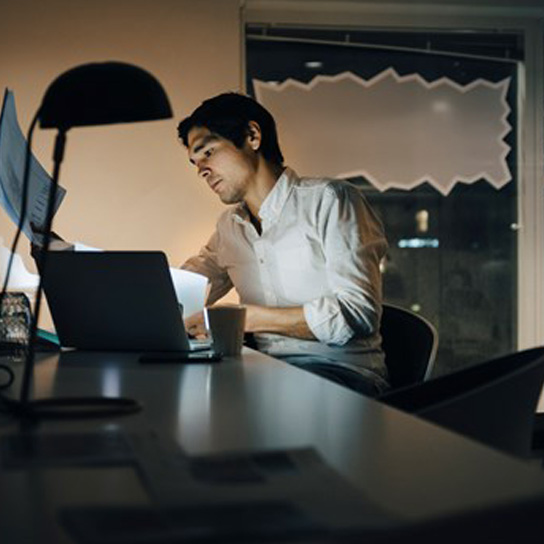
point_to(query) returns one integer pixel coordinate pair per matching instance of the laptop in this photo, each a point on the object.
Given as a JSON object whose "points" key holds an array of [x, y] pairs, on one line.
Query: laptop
{"points": [[115, 300]]}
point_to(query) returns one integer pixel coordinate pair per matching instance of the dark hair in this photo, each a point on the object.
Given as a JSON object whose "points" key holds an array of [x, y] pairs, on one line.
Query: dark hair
{"points": [[228, 115]]}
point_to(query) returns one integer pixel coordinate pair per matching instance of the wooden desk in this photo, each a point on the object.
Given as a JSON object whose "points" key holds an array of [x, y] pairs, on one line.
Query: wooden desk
{"points": [[405, 470]]}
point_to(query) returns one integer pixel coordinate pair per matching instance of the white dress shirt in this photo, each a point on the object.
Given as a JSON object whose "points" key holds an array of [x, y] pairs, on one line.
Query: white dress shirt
{"points": [[320, 248]]}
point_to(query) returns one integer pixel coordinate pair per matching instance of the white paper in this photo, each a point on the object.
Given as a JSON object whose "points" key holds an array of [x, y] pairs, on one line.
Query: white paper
{"points": [[20, 279], [78, 246], [191, 290], [12, 162]]}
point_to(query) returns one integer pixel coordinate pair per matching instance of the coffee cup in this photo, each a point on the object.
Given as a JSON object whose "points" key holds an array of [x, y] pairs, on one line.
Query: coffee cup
{"points": [[226, 324]]}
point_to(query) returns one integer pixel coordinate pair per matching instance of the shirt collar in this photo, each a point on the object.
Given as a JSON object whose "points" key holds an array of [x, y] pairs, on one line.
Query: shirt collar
{"points": [[276, 199], [240, 213]]}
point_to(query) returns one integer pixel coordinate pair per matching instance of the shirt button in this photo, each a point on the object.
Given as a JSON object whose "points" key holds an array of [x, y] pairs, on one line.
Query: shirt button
{"points": [[261, 261]]}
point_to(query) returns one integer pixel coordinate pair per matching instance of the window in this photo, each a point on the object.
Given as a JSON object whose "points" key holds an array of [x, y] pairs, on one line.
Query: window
{"points": [[453, 246]]}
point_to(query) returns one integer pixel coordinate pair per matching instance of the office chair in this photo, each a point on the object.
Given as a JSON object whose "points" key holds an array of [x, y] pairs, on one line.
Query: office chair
{"points": [[493, 402], [537, 447], [409, 342]]}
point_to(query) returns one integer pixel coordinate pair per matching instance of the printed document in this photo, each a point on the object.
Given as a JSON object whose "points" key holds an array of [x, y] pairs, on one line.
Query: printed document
{"points": [[12, 163]]}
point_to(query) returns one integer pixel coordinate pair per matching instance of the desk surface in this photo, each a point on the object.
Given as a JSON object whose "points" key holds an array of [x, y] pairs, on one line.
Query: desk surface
{"points": [[404, 469]]}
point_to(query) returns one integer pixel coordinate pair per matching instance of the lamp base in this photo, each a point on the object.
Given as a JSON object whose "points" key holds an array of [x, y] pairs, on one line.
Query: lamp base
{"points": [[71, 408]]}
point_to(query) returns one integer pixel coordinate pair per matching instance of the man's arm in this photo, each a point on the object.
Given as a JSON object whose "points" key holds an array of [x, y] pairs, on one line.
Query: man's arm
{"points": [[353, 244], [285, 321], [207, 264]]}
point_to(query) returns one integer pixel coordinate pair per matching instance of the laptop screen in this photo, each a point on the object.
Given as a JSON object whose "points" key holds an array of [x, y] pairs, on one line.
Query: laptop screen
{"points": [[114, 300]]}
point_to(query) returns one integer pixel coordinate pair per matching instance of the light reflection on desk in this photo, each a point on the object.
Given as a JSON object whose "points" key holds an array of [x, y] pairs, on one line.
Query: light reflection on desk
{"points": [[43, 382], [194, 404], [111, 382]]}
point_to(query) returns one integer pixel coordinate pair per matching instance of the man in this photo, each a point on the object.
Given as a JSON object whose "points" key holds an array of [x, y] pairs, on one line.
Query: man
{"points": [[303, 254]]}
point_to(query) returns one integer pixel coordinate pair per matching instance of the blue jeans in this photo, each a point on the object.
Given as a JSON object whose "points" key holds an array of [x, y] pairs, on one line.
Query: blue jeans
{"points": [[357, 378]]}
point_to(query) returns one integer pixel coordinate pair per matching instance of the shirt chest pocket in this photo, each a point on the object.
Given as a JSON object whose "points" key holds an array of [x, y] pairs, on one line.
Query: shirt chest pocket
{"points": [[300, 269]]}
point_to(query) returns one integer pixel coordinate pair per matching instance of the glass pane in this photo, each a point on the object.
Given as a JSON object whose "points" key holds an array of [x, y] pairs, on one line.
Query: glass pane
{"points": [[453, 253]]}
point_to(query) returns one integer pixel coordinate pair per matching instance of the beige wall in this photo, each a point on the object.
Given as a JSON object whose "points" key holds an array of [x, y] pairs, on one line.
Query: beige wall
{"points": [[129, 186]]}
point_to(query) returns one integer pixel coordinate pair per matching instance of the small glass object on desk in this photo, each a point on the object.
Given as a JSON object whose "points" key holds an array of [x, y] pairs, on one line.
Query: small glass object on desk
{"points": [[14, 321]]}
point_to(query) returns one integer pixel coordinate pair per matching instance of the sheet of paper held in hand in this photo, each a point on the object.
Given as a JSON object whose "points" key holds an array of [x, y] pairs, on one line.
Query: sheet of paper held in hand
{"points": [[12, 163], [191, 290]]}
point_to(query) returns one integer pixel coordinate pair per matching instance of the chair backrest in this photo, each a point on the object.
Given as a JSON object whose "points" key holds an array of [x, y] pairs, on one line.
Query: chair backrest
{"points": [[409, 342], [493, 402]]}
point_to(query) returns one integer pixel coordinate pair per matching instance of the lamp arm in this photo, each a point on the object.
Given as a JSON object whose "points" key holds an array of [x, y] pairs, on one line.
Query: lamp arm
{"points": [[58, 152], [28, 372]]}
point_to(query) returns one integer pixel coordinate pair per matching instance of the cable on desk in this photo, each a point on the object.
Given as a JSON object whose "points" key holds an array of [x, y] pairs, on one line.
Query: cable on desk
{"points": [[10, 378]]}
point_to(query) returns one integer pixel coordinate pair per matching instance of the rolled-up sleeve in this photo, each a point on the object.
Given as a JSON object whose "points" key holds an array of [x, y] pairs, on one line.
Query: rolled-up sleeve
{"points": [[353, 244], [208, 264]]}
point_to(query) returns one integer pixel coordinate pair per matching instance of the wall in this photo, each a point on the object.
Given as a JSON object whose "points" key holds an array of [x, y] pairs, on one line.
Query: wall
{"points": [[129, 186]]}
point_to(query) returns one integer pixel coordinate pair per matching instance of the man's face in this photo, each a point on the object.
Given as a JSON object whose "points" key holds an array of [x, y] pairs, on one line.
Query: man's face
{"points": [[228, 170]]}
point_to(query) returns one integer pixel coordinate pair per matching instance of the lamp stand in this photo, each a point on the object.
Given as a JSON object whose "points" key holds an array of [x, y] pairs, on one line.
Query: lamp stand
{"points": [[58, 407]]}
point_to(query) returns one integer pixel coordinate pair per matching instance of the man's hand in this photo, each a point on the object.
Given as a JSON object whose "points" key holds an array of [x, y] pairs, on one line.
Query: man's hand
{"points": [[56, 242], [196, 326], [285, 321]]}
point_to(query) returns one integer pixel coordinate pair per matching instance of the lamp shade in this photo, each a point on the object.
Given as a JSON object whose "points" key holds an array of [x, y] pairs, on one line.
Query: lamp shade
{"points": [[103, 94]]}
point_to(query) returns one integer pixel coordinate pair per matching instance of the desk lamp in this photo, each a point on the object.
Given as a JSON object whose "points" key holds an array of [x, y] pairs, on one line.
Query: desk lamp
{"points": [[87, 95]]}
